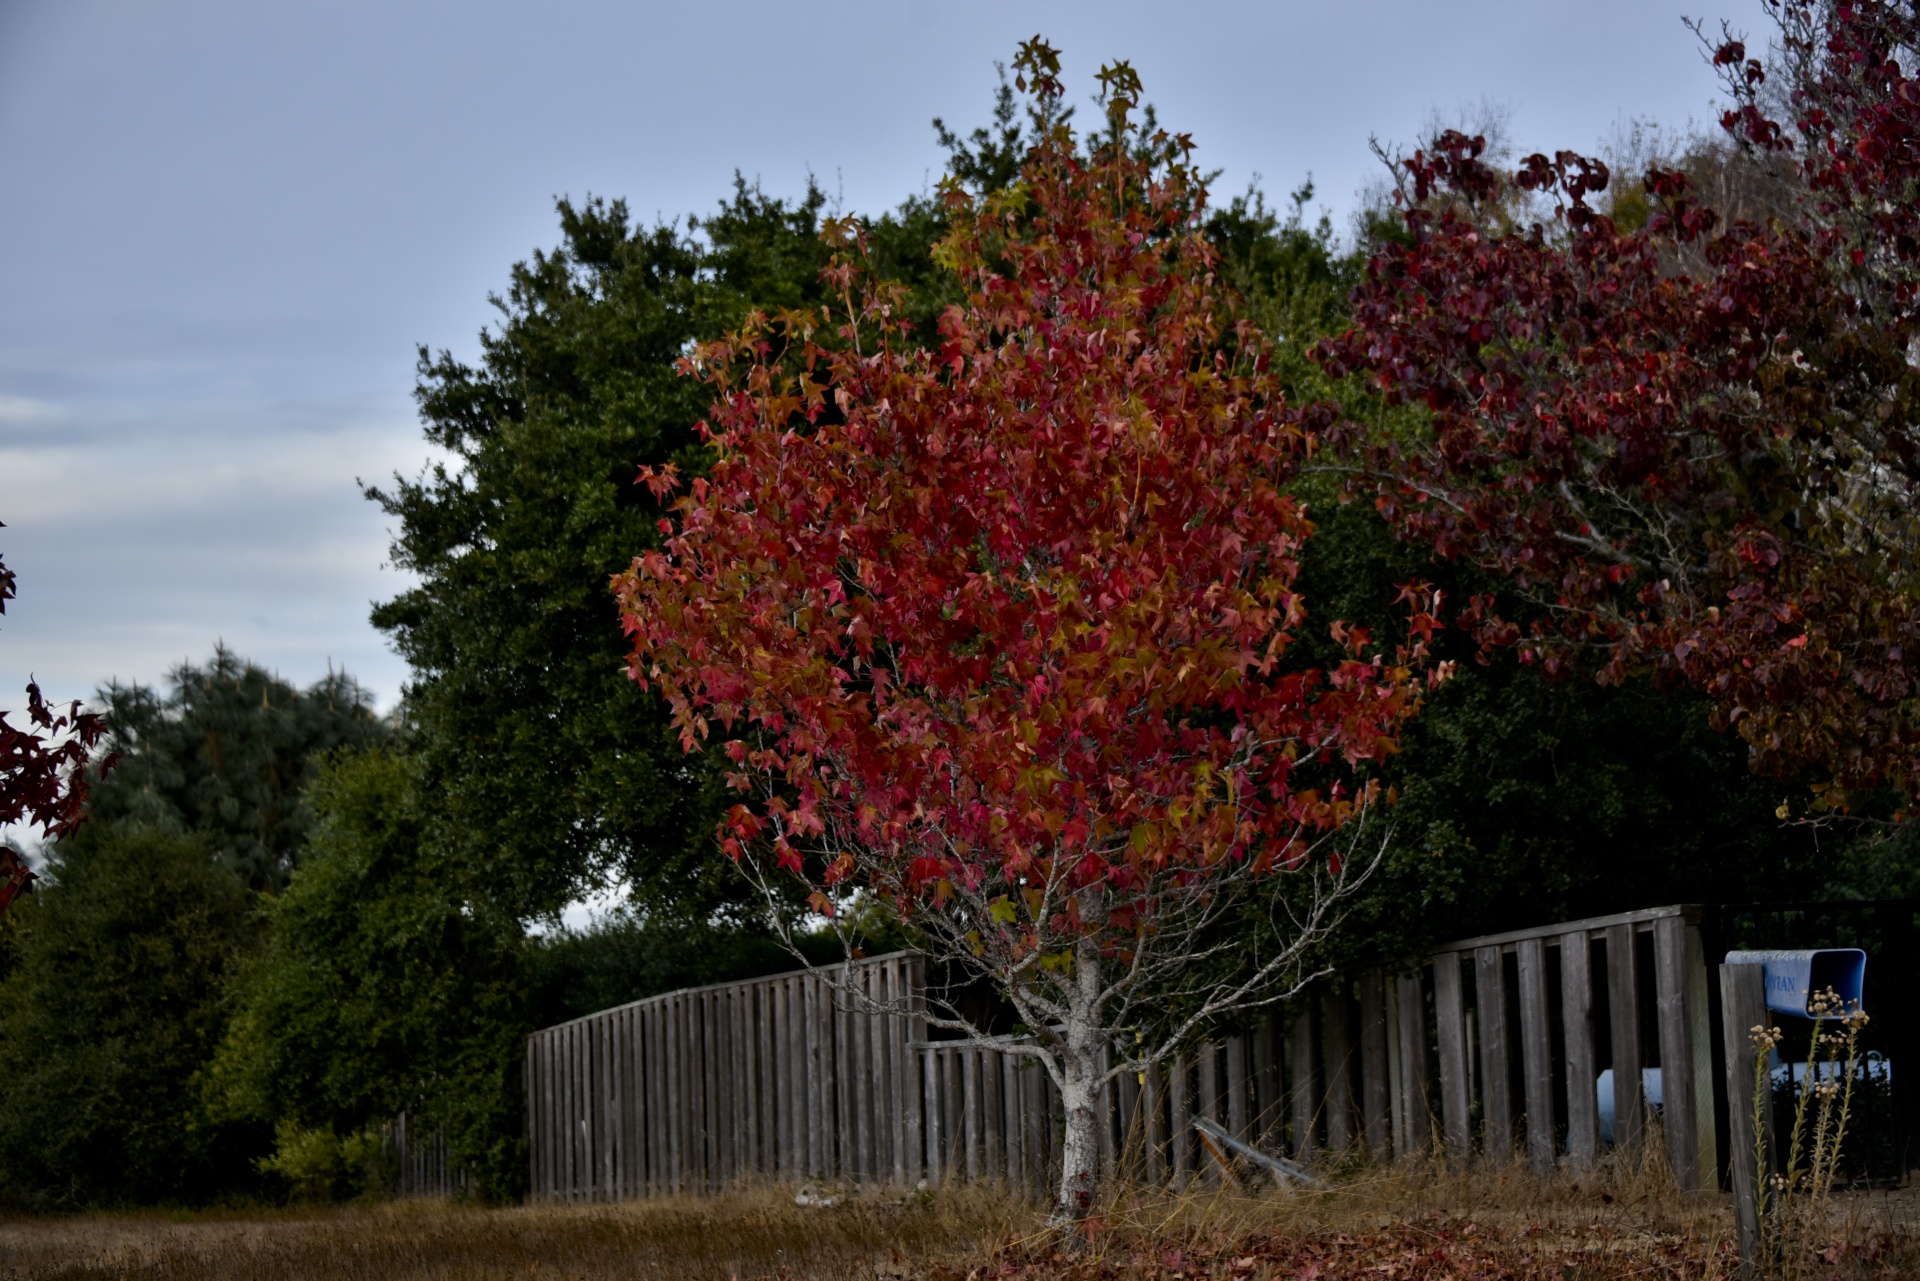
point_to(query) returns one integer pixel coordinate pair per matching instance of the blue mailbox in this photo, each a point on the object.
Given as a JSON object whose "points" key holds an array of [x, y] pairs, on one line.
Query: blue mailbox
{"points": [[1793, 978]]}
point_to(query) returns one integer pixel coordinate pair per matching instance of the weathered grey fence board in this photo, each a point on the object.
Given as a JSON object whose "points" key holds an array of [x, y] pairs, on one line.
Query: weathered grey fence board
{"points": [[1336, 1043], [1450, 1016], [1576, 1021], [1623, 1019], [1743, 1008], [1490, 1009], [830, 1074], [1376, 1076], [1536, 1051], [1416, 1106], [1306, 1108]]}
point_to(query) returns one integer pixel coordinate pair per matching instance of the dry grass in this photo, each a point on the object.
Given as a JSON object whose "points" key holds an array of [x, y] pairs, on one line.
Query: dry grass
{"points": [[746, 1234], [1401, 1224]]}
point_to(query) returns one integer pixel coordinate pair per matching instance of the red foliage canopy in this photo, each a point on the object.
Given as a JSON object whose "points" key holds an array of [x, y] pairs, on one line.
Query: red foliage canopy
{"points": [[1689, 446], [42, 770], [1015, 610]]}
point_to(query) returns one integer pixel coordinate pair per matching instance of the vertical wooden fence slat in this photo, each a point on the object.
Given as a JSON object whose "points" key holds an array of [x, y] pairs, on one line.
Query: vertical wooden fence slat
{"points": [[936, 1124], [1680, 1116], [765, 1147], [1207, 1104], [865, 1080], [954, 1093], [1152, 1100], [878, 1108], [795, 1079], [674, 1052], [1337, 1059], [1414, 1074], [1576, 1019], [840, 1123], [1301, 1074], [643, 1107], [747, 1023], [611, 1115], [1181, 1128], [1450, 1020], [1396, 1073], [970, 1112], [1743, 1008], [1272, 1114], [555, 1116], [585, 1061], [817, 1098], [1374, 1075], [582, 1127], [557, 1053], [655, 1170], [1032, 1126], [633, 1148], [1536, 1051], [1496, 1092], [1623, 1018], [993, 1104], [1239, 1107], [913, 1065], [1012, 1151], [570, 1108]]}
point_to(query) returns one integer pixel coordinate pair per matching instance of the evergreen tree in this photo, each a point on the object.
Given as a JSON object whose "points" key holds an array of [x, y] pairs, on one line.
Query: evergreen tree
{"points": [[390, 983], [548, 765], [227, 752], [110, 1010]]}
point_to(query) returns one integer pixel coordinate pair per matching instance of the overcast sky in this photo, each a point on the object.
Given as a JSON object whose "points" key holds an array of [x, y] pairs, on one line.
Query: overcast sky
{"points": [[225, 226]]}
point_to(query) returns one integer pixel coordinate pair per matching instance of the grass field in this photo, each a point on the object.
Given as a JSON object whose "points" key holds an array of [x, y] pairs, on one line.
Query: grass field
{"points": [[1393, 1226]]}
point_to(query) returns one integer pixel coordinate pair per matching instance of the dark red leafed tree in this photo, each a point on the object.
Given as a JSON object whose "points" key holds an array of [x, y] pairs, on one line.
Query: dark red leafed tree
{"points": [[1688, 445], [997, 631], [43, 779]]}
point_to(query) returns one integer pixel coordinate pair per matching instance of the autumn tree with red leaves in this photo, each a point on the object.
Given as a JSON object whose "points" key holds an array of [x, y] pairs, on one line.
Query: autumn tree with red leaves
{"points": [[43, 781], [997, 632], [1690, 445]]}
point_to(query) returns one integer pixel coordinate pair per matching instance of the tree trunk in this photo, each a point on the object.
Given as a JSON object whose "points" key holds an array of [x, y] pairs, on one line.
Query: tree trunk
{"points": [[1081, 1061]]}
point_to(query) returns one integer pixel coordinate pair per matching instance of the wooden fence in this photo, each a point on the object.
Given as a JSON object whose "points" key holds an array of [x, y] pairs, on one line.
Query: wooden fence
{"points": [[418, 1161], [783, 1079]]}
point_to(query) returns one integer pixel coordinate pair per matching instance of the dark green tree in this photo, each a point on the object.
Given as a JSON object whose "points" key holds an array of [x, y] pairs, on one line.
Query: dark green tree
{"points": [[391, 982], [227, 752], [110, 1010], [547, 764]]}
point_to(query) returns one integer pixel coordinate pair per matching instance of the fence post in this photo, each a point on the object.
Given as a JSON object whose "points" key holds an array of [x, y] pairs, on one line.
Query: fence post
{"points": [[1239, 1113], [1682, 1028], [1180, 1131], [1536, 1051], [1743, 1006], [1623, 1018], [1271, 1118], [1300, 1068], [1336, 1044], [1450, 1018], [1154, 1130], [1375, 1077], [1496, 1089], [1576, 1022], [1413, 1062]]}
